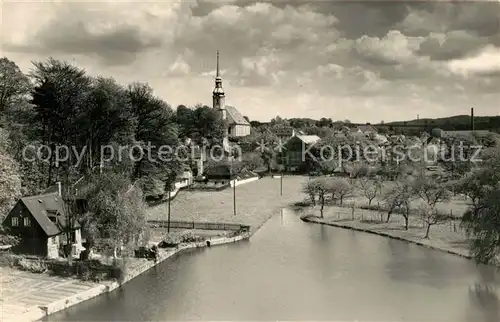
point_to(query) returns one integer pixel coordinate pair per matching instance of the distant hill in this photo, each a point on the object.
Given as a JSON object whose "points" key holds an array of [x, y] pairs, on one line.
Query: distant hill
{"points": [[411, 127], [452, 123]]}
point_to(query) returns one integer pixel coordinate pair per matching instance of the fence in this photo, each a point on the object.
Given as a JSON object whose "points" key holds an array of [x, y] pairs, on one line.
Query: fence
{"points": [[198, 225]]}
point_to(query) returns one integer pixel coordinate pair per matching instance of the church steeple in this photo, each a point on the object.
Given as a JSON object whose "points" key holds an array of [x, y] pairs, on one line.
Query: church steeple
{"points": [[218, 97]]}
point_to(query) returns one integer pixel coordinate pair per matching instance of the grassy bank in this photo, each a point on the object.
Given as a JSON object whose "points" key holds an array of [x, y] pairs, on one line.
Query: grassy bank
{"points": [[256, 202], [446, 236]]}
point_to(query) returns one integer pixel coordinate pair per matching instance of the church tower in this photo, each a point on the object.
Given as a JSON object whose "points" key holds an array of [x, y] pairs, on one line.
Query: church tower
{"points": [[218, 97]]}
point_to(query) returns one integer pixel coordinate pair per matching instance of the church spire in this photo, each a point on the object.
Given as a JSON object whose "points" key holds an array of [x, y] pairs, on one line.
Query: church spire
{"points": [[217, 72], [218, 93]]}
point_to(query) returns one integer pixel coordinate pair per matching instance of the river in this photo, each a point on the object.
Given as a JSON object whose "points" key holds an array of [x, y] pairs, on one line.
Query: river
{"points": [[291, 270]]}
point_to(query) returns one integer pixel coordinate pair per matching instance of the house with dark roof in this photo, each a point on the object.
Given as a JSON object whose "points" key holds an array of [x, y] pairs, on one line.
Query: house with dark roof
{"points": [[42, 222], [292, 154]]}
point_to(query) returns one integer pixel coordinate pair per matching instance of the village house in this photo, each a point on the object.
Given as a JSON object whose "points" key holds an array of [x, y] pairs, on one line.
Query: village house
{"points": [[287, 132], [365, 129], [42, 222], [292, 156]]}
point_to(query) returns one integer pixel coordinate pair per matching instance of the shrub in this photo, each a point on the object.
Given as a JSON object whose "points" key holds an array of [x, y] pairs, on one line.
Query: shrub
{"points": [[190, 237], [171, 240], [33, 266], [63, 268], [83, 271], [8, 260], [119, 269]]}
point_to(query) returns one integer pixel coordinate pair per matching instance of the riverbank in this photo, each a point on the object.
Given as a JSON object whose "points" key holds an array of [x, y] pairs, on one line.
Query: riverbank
{"points": [[256, 202], [446, 237], [11, 313]]}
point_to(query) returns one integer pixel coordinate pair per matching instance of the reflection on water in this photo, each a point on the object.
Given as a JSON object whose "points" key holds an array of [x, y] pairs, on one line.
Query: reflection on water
{"points": [[485, 305], [292, 270]]}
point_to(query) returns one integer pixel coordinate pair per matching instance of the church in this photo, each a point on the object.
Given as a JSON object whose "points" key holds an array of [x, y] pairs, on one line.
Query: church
{"points": [[237, 125]]}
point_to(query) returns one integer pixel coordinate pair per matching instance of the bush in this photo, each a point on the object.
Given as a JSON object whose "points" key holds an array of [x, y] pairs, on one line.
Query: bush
{"points": [[119, 269], [8, 260], [63, 268], [33, 266], [190, 237], [171, 240]]}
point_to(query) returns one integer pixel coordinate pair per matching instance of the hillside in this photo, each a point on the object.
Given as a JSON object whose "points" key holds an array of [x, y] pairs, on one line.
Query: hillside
{"points": [[452, 123]]}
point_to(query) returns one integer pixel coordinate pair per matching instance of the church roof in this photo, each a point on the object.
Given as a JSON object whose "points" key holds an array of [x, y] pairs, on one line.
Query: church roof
{"points": [[235, 117]]}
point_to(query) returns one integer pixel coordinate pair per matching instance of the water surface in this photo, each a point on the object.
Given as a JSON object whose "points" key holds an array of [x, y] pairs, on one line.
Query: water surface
{"points": [[291, 270]]}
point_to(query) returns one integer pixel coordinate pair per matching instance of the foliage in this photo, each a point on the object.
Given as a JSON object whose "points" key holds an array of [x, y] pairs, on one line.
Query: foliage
{"points": [[116, 210], [33, 266], [252, 161], [10, 180], [14, 85]]}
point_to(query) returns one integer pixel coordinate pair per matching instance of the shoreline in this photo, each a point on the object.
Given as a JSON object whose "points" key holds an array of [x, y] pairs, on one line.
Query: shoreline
{"points": [[109, 286], [324, 221]]}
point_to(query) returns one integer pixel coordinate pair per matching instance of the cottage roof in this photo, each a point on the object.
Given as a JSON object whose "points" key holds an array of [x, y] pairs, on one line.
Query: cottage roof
{"points": [[235, 117], [466, 134], [41, 206], [308, 139], [367, 128], [219, 171]]}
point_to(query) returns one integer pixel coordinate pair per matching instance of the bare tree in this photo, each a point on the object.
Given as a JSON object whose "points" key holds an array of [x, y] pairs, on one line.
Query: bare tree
{"points": [[322, 189], [341, 189], [310, 189], [318, 188], [371, 188], [431, 193], [398, 199]]}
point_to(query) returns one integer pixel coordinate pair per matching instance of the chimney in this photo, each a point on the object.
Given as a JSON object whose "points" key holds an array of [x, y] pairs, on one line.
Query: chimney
{"points": [[472, 119], [59, 190]]}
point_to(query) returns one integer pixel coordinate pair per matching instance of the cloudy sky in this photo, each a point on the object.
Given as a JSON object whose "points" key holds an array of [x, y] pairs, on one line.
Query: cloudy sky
{"points": [[364, 61]]}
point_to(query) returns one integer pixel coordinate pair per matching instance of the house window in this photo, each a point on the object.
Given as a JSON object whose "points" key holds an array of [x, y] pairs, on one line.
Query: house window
{"points": [[27, 222], [15, 222]]}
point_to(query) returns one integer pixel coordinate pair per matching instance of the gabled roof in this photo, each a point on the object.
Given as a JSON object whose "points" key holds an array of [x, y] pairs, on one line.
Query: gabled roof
{"points": [[41, 206], [235, 117], [466, 134], [367, 128], [308, 139]]}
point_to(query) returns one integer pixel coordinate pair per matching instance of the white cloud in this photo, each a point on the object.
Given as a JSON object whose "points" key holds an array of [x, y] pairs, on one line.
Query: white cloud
{"points": [[293, 59], [487, 61]]}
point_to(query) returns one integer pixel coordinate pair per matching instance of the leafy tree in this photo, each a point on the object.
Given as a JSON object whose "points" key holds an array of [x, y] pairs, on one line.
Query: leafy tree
{"points": [[13, 83], [106, 119], [59, 95], [155, 128], [483, 228], [116, 212], [10, 179], [252, 160]]}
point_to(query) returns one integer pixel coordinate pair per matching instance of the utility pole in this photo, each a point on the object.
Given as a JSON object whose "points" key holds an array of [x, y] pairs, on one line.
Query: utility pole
{"points": [[234, 197], [168, 220], [281, 184]]}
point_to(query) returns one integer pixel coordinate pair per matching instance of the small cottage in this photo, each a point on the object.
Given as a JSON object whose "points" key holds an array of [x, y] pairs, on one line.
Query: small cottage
{"points": [[42, 223]]}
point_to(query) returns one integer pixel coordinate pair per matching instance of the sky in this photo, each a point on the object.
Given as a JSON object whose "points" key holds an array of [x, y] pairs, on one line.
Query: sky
{"points": [[363, 61]]}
